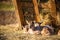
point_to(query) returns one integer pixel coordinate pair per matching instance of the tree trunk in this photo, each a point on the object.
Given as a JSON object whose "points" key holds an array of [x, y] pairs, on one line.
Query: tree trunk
{"points": [[53, 8], [37, 16], [17, 13], [19, 5], [53, 14]]}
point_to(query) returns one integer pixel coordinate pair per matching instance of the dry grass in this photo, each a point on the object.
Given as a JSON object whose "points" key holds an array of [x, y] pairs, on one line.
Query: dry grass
{"points": [[8, 33], [6, 7]]}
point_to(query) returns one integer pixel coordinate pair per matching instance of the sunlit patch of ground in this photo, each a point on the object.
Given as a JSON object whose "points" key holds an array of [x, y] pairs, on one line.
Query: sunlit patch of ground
{"points": [[8, 33]]}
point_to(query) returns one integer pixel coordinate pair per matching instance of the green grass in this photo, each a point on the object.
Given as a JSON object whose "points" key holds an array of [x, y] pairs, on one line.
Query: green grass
{"points": [[8, 33], [4, 6]]}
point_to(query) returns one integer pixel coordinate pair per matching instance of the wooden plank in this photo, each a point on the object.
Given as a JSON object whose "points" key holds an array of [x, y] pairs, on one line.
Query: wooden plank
{"points": [[37, 16]]}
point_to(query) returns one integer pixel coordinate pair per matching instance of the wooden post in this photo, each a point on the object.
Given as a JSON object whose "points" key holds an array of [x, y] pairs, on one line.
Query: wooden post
{"points": [[37, 16], [19, 5], [20, 12], [53, 8], [17, 12]]}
